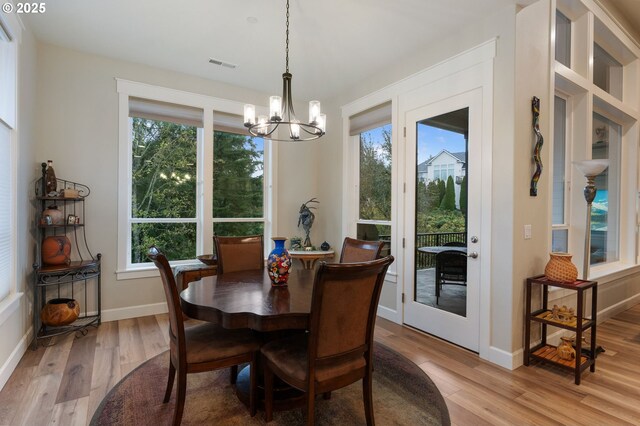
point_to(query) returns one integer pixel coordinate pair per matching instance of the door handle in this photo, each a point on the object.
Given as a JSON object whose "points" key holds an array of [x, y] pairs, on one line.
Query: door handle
{"points": [[473, 254]]}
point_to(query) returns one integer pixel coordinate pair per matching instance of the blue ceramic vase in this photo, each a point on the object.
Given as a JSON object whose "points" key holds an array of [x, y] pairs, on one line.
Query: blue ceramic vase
{"points": [[279, 262]]}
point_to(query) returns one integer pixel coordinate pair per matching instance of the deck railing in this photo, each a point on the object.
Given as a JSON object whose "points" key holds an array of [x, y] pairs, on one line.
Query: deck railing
{"points": [[426, 260]]}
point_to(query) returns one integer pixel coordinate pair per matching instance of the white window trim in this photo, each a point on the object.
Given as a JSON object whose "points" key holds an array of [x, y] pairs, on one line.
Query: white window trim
{"points": [[209, 104]]}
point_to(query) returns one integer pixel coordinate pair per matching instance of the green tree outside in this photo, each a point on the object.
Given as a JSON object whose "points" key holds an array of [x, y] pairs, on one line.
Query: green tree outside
{"points": [[375, 176], [449, 199], [164, 167]]}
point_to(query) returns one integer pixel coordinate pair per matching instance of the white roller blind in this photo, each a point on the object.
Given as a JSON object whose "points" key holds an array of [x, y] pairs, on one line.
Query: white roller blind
{"points": [[186, 115], [231, 123], [7, 169], [370, 119], [6, 211], [164, 111]]}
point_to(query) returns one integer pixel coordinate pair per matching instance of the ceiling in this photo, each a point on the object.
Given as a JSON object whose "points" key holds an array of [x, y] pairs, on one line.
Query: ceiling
{"points": [[333, 43]]}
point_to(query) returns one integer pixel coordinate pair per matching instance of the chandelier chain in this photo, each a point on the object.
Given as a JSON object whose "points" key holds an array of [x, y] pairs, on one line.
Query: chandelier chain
{"points": [[287, 33]]}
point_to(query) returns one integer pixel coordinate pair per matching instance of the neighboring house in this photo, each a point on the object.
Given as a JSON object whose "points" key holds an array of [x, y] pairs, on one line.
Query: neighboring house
{"points": [[443, 165]]}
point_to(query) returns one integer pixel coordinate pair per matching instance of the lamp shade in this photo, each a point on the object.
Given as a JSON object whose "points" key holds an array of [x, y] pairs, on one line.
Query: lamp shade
{"points": [[591, 167]]}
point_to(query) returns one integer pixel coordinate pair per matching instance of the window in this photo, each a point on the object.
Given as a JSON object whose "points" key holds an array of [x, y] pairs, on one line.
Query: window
{"points": [[563, 39], [8, 61], [163, 196], [191, 173], [605, 209], [238, 184], [595, 117], [560, 228], [607, 72], [371, 132]]}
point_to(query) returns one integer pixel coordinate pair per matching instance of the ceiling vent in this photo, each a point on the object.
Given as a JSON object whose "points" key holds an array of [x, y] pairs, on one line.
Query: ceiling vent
{"points": [[222, 63]]}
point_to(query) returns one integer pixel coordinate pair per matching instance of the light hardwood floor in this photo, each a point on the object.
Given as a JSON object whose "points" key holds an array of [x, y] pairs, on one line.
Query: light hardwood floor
{"points": [[64, 383]]}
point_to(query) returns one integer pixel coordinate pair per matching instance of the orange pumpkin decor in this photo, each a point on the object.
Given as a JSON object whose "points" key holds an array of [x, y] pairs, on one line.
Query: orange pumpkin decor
{"points": [[59, 312], [56, 250]]}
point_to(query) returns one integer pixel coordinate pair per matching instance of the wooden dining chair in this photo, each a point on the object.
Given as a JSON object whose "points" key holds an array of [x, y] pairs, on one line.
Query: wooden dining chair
{"points": [[203, 347], [360, 250], [451, 268], [338, 348], [239, 253]]}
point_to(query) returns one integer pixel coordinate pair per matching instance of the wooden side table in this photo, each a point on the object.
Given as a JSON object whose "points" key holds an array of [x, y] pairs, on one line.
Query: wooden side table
{"points": [[309, 258], [189, 273], [582, 322]]}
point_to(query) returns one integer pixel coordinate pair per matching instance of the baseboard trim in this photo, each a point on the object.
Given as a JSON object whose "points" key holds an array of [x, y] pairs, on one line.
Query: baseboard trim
{"points": [[613, 310], [12, 362], [134, 311], [389, 314]]}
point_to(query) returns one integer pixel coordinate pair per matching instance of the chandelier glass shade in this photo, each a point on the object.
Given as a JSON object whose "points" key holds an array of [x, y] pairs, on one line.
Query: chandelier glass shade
{"points": [[282, 115]]}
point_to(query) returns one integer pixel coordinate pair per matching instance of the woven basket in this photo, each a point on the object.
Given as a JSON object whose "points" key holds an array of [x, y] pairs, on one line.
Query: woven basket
{"points": [[559, 268]]}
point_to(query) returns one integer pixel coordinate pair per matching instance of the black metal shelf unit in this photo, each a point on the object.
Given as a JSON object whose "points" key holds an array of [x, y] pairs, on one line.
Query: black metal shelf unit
{"points": [[80, 279]]}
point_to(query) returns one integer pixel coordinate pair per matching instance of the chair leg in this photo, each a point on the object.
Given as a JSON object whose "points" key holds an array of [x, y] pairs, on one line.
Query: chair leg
{"points": [[172, 375], [233, 376], [311, 413], [253, 385], [180, 397], [368, 398], [268, 393]]}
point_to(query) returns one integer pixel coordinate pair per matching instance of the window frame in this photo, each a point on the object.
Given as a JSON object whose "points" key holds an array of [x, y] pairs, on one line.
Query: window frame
{"points": [[204, 187], [351, 184], [568, 145]]}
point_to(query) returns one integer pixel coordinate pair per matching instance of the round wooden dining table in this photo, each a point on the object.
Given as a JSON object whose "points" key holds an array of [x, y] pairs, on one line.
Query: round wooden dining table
{"points": [[247, 299]]}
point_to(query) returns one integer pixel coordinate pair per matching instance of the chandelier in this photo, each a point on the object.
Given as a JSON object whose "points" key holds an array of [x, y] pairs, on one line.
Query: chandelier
{"points": [[281, 113]]}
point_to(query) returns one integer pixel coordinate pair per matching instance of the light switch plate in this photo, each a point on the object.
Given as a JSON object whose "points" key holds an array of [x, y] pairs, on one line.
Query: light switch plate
{"points": [[527, 232]]}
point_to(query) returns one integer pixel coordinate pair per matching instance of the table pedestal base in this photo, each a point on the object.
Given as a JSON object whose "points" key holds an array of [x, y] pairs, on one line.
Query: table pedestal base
{"points": [[284, 396]]}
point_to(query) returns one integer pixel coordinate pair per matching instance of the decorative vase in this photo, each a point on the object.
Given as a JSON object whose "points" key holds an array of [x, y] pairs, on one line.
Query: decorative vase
{"points": [[279, 262], [55, 215], [56, 250], [325, 246], [57, 312], [565, 350], [51, 183], [559, 268]]}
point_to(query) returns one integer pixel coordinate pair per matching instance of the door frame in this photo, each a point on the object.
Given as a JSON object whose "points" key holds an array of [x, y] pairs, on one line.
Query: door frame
{"points": [[457, 82]]}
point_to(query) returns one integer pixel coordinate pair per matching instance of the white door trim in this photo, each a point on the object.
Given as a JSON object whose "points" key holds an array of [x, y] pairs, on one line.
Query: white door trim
{"points": [[480, 77]]}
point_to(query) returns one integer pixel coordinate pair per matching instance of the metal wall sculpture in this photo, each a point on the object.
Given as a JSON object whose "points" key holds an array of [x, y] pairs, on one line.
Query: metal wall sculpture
{"points": [[535, 109]]}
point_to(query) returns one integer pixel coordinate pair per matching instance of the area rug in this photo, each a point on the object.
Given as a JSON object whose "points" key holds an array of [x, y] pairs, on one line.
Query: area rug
{"points": [[402, 395]]}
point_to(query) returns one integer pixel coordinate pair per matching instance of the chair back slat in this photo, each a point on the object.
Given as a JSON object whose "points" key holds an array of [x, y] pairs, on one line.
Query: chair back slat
{"points": [[239, 253], [360, 250], [344, 305]]}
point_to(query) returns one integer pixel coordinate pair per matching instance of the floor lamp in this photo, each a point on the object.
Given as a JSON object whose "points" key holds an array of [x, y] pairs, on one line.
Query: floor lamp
{"points": [[590, 169]]}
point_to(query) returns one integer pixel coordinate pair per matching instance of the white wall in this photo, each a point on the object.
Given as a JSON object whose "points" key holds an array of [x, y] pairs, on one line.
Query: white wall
{"points": [[77, 128]]}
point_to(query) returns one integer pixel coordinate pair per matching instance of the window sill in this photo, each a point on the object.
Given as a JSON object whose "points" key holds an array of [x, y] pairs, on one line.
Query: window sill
{"points": [[615, 271], [9, 305], [149, 271]]}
